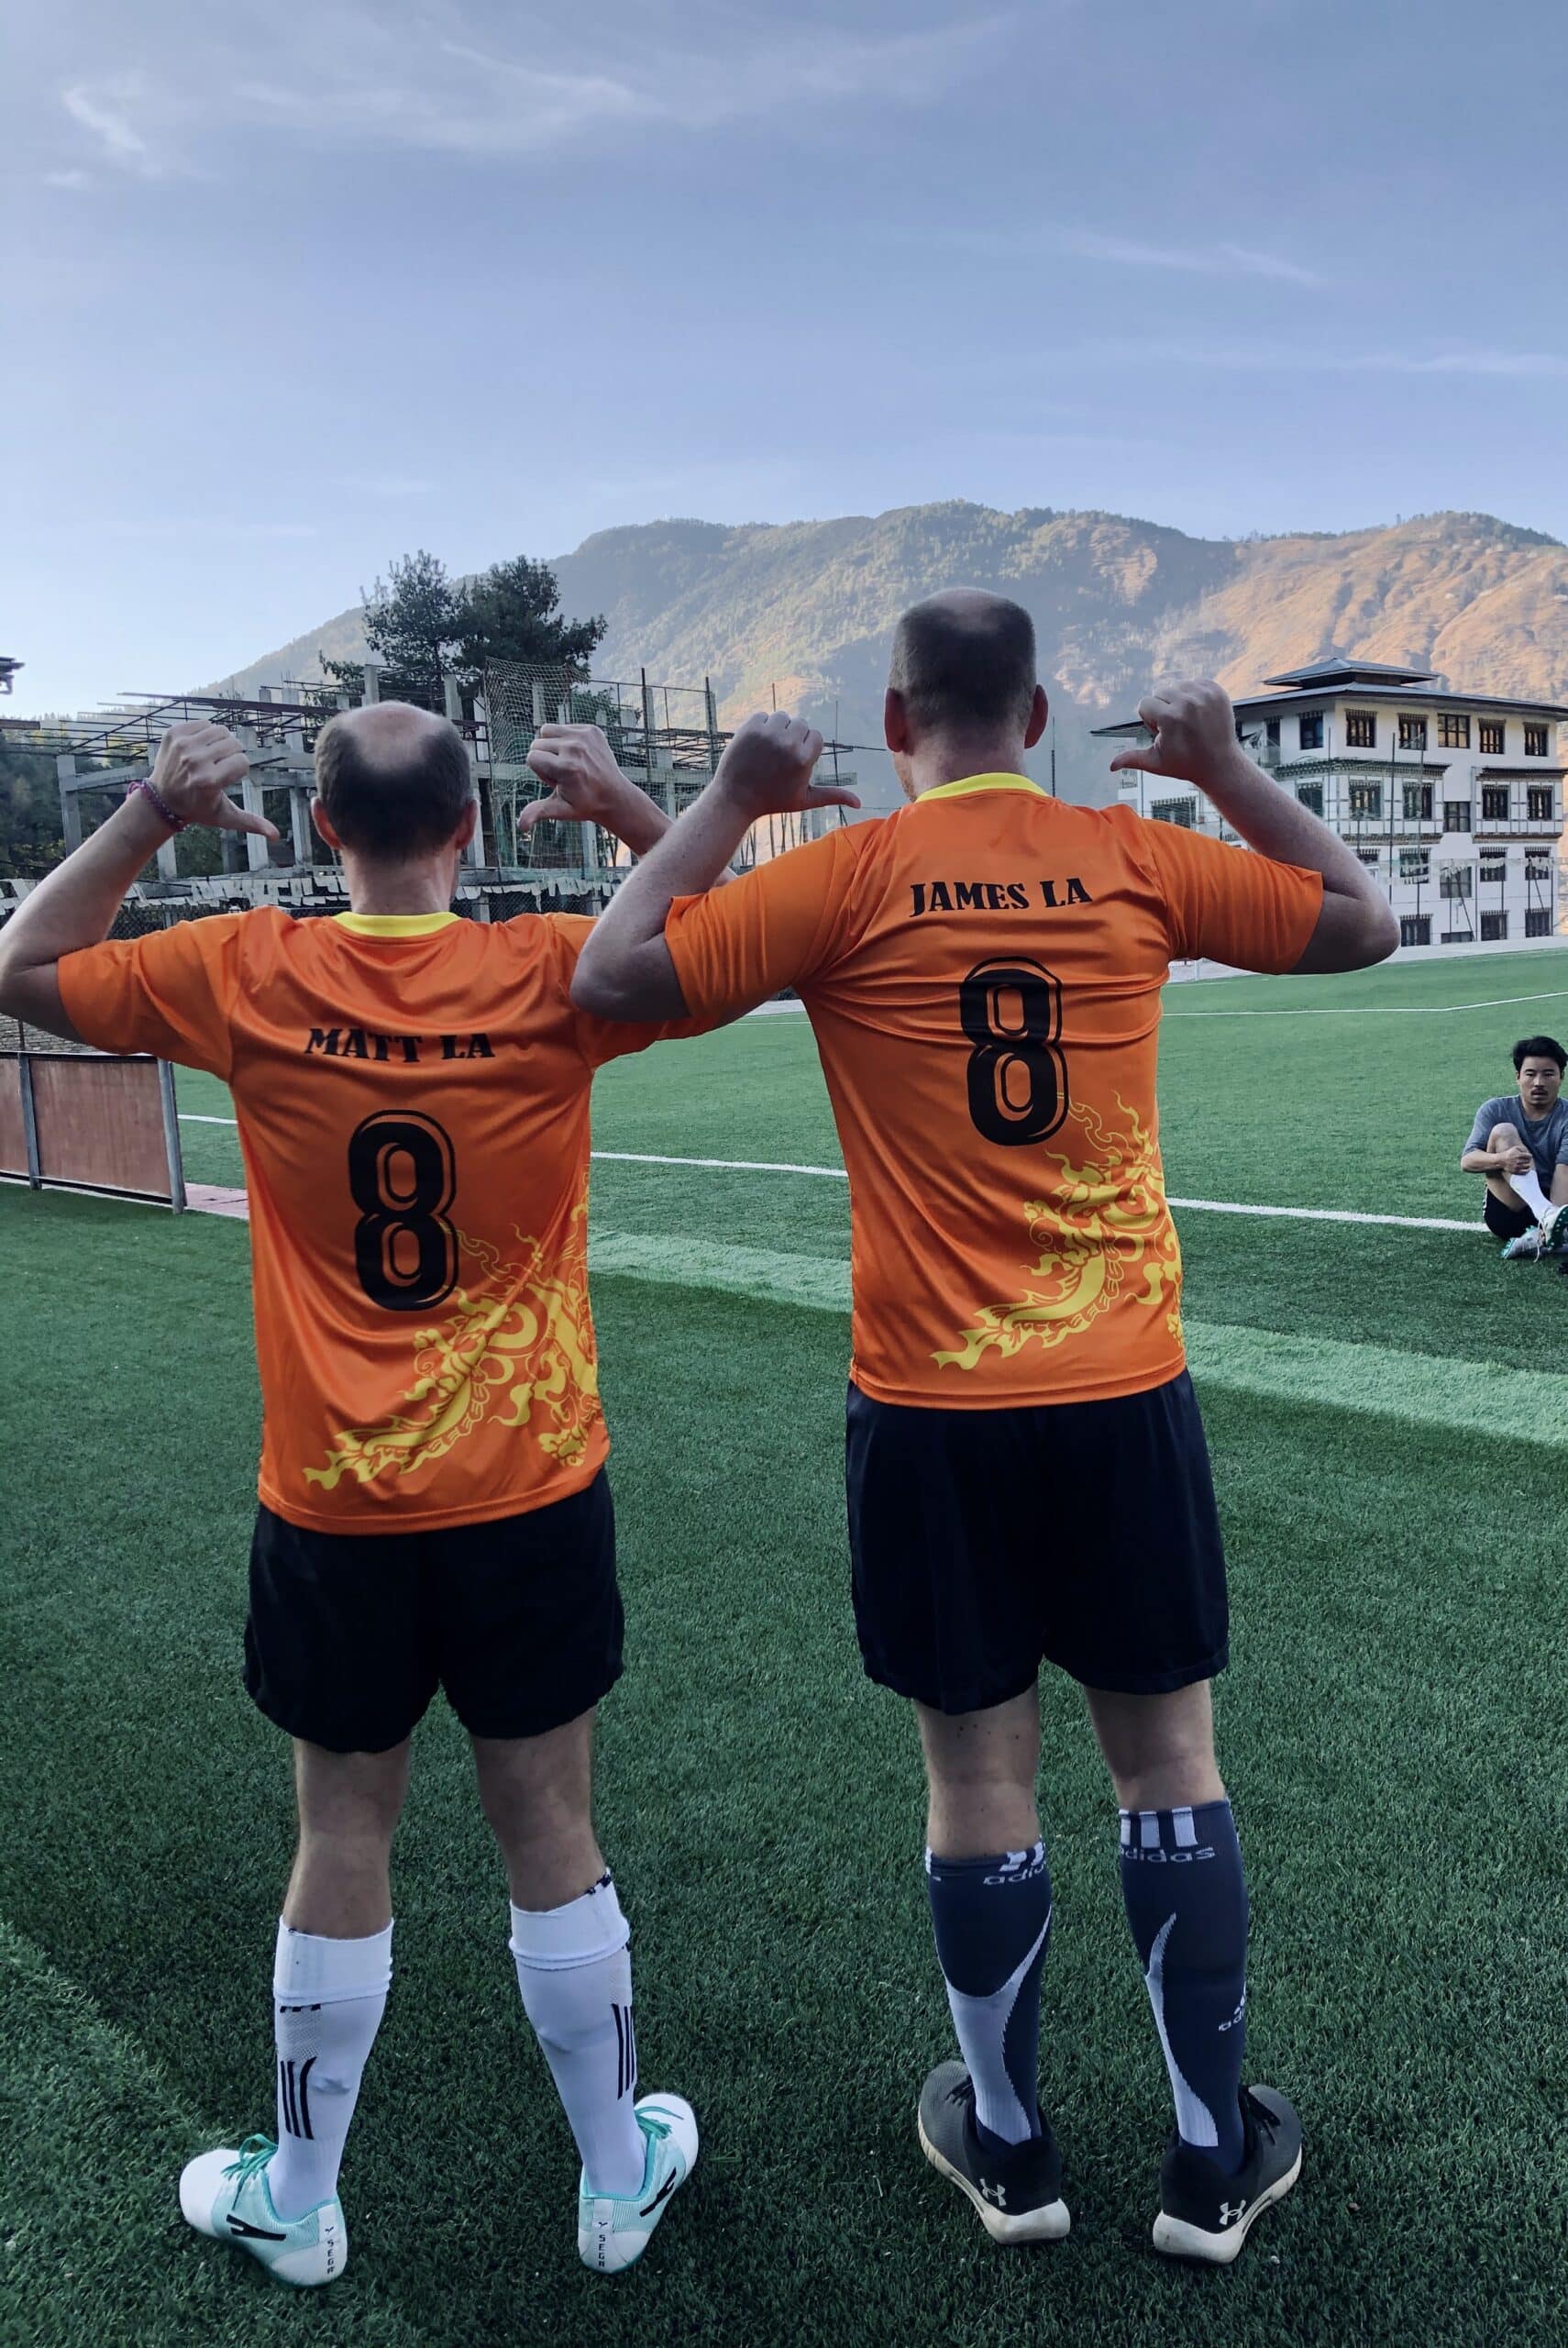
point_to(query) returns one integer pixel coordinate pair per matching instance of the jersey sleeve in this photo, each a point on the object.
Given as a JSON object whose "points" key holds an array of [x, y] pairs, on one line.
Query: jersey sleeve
{"points": [[1230, 903], [780, 925], [607, 1039], [171, 993], [1481, 1131]]}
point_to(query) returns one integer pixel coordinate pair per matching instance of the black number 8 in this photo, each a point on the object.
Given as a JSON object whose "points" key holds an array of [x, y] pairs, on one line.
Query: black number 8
{"points": [[403, 1178], [1002, 1049]]}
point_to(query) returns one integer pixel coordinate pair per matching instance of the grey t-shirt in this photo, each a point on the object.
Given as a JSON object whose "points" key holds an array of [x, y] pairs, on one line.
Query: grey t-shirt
{"points": [[1547, 1141]]}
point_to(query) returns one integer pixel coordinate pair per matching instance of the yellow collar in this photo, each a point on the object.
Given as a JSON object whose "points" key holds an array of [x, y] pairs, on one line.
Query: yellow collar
{"points": [[980, 782], [394, 924]]}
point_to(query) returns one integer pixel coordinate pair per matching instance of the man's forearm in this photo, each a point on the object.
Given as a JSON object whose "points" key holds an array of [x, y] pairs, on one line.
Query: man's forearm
{"points": [[624, 964], [76, 903], [639, 823], [1274, 822]]}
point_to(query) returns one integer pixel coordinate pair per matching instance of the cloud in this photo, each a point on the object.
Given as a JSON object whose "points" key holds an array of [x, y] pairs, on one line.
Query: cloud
{"points": [[105, 108], [1195, 261], [69, 179], [1304, 359], [388, 485], [203, 526], [462, 78]]}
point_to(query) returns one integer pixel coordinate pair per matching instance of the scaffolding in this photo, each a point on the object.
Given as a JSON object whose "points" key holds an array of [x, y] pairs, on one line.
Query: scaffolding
{"points": [[665, 738]]}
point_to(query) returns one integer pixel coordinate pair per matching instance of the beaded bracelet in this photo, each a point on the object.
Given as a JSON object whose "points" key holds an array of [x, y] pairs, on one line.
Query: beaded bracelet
{"points": [[175, 823]]}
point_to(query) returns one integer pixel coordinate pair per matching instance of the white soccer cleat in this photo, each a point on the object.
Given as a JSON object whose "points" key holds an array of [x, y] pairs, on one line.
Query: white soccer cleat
{"points": [[224, 2194], [613, 2235]]}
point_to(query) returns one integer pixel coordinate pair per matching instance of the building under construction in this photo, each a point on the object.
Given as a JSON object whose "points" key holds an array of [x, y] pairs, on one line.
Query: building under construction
{"points": [[665, 738]]}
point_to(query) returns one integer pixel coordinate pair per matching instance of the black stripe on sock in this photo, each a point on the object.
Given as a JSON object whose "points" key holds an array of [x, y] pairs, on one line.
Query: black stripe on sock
{"points": [[286, 2089], [620, 2053], [306, 2070], [632, 2043]]}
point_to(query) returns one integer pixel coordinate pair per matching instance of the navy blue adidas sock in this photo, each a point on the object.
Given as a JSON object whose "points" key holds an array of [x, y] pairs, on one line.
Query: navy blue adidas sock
{"points": [[992, 1919], [1186, 1901]]}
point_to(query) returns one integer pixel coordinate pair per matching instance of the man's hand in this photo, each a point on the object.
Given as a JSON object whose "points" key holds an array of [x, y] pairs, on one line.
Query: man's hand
{"points": [[196, 768], [766, 768], [584, 783], [1194, 729], [586, 786], [1513, 1161]]}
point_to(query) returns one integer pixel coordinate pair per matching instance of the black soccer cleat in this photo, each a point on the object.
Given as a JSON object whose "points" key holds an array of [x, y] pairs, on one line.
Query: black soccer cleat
{"points": [[1017, 2189], [1207, 2215]]}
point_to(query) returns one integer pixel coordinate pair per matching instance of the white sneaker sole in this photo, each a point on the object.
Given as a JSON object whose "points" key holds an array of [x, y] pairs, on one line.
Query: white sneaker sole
{"points": [[1176, 2239], [1047, 2224]]}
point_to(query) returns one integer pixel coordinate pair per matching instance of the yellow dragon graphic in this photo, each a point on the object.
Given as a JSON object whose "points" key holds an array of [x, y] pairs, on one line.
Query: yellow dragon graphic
{"points": [[1107, 1226], [524, 1342]]}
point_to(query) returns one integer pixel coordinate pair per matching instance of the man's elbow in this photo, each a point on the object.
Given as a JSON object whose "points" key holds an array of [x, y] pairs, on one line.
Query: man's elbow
{"points": [[1382, 934], [598, 992]]}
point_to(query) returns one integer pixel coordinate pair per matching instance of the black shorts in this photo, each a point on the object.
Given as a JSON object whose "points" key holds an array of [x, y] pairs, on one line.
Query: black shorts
{"points": [[350, 1635], [1079, 1534], [1505, 1221]]}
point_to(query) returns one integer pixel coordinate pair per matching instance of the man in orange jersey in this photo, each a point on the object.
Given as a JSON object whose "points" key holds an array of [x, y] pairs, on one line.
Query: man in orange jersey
{"points": [[412, 1092], [1028, 1476]]}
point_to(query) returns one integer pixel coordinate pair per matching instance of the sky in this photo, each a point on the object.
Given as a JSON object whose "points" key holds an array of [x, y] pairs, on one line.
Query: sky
{"points": [[286, 290]]}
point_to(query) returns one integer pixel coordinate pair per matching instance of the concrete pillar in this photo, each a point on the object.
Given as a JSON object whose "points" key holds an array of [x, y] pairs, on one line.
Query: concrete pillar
{"points": [[168, 867], [258, 853], [299, 820], [373, 680], [69, 805], [453, 698]]}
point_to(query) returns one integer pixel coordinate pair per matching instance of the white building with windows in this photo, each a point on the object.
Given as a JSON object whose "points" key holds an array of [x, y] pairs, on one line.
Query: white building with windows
{"points": [[1453, 800]]}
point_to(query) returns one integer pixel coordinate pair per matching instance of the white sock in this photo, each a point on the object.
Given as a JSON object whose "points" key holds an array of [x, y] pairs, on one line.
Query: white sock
{"points": [[574, 1969], [1529, 1190], [328, 1997]]}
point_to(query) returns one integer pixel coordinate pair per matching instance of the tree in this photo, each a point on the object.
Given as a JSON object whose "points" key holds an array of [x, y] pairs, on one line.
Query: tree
{"points": [[513, 612], [30, 831], [411, 623]]}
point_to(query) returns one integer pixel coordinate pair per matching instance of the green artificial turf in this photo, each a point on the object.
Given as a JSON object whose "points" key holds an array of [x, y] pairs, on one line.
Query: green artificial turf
{"points": [[1390, 1730]]}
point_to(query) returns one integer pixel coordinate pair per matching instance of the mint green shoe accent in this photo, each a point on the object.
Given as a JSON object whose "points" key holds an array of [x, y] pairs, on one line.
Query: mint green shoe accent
{"points": [[1555, 1233], [225, 2194], [613, 2235]]}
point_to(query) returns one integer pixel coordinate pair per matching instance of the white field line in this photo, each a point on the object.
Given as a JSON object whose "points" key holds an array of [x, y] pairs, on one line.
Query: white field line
{"points": [[1378, 1011], [838, 1174]]}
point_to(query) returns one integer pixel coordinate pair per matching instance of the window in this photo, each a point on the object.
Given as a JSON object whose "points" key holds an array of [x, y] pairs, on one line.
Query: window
{"points": [[1456, 814], [1493, 868], [1415, 864], [1494, 738], [1361, 729], [1271, 733], [1415, 929], [1541, 810], [1535, 741], [1412, 733], [1366, 800], [1312, 730], [1457, 937], [1418, 803], [1310, 796], [1538, 921], [1537, 862], [1494, 925], [1453, 733], [1368, 856], [1495, 803], [1457, 880], [1175, 811]]}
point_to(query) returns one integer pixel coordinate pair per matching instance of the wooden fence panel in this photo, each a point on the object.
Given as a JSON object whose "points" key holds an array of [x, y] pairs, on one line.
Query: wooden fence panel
{"points": [[100, 1122], [13, 1127]]}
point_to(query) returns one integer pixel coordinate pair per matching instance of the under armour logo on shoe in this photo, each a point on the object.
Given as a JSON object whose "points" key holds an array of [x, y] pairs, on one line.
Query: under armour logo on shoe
{"points": [[997, 2193], [1230, 2212]]}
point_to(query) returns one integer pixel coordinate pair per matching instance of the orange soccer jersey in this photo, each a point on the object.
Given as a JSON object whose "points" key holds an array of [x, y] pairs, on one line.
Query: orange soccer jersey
{"points": [[413, 1102], [983, 972]]}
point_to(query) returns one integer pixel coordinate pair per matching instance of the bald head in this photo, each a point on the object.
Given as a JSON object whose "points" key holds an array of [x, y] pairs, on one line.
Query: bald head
{"points": [[393, 780], [964, 662]]}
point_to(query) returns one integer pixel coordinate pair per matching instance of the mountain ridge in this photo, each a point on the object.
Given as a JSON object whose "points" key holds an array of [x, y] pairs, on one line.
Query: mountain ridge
{"points": [[808, 607]]}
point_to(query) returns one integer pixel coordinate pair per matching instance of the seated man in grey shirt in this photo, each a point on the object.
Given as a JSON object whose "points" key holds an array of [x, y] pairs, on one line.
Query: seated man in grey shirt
{"points": [[1519, 1142]]}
